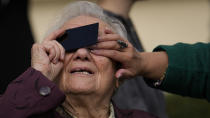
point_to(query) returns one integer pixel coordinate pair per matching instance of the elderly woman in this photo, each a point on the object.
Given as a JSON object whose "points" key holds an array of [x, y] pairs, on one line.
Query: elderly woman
{"points": [[76, 84]]}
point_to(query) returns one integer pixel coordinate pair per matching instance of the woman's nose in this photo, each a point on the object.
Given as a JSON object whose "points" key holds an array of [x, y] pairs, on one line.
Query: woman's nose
{"points": [[82, 54]]}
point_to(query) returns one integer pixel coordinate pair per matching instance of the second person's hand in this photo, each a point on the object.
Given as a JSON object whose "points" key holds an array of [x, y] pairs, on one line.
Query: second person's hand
{"points": [[108, 45]]}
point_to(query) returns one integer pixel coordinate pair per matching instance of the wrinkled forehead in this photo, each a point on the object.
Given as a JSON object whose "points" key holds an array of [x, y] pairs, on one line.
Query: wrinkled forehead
{"points": [[85, 20]]}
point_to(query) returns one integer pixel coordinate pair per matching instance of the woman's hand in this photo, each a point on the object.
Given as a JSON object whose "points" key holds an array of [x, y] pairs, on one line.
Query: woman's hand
{"points": [[47, 57], [129, 57]]}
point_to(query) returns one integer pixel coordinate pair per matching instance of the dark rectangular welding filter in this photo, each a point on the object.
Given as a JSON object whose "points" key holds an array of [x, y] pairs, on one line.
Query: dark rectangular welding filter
{"points": [[80, 37]]}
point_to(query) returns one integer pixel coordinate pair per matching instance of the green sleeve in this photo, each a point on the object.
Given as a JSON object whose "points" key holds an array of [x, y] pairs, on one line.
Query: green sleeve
{"points": [[188, 72]]}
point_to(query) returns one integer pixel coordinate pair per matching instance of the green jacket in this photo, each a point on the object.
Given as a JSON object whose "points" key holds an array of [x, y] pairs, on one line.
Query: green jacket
{"points": [[188, 72]]}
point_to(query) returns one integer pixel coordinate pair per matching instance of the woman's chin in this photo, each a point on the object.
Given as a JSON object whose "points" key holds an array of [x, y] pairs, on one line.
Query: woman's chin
{"points": [[79, 84], [81, 91], [81, 88]]}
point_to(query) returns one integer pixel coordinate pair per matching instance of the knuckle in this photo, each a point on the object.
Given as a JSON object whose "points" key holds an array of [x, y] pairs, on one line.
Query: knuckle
{"points": [[130, 55], [113, 53], [100, 45], [57, 43], [53, 35], [54, 41], [104, 45], [116, 46], [52, 50], [35, 46], [118, 36], [48, 47], [45, 41], [114, 36]]}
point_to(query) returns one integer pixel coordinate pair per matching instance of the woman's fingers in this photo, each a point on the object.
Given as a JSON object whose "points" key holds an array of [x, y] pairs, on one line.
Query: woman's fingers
{"points": [[57, 53], [48, 55], [108, 31], [54, 35], [54, 51], [113, 54], [111, 45], [123, 73], [120, 50], [112, 41], [62, 50], [59, 50], [109, 37], [51, 52], [129, 61], [118, 45]]}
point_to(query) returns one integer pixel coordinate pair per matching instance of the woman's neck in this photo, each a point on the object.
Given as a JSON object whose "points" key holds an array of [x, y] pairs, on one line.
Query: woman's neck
{"points": [[84, 106], [120, 7]]}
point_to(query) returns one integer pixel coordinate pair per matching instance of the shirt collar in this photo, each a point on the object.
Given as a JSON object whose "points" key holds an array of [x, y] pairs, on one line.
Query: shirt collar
{"points": [[111, 109]]}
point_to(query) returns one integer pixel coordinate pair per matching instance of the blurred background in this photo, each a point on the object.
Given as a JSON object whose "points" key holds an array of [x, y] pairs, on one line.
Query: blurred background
{"points": [[156, 21]]}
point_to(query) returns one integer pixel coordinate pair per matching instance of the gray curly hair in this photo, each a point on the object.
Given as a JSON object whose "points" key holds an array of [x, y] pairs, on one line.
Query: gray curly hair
{"points": [[90, 9]]}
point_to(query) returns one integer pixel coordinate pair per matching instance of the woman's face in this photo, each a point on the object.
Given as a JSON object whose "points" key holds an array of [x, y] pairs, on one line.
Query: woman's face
{"points": [[83, 71]]}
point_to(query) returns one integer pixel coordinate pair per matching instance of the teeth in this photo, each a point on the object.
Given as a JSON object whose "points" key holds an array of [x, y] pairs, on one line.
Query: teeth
{"points": [[84, 72]]}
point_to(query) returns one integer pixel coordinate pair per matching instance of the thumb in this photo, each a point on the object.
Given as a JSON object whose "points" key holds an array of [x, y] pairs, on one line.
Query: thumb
{"points": [[123, 74], [58, 66]]}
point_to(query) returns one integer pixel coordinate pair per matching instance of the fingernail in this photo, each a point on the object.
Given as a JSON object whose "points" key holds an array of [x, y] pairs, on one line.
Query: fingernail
{"points": [[95, 51], [119, 76]]}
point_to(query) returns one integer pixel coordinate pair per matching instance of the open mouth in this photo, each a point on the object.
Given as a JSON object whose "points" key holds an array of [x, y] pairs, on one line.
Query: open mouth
{"points": [[85, 71]]}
